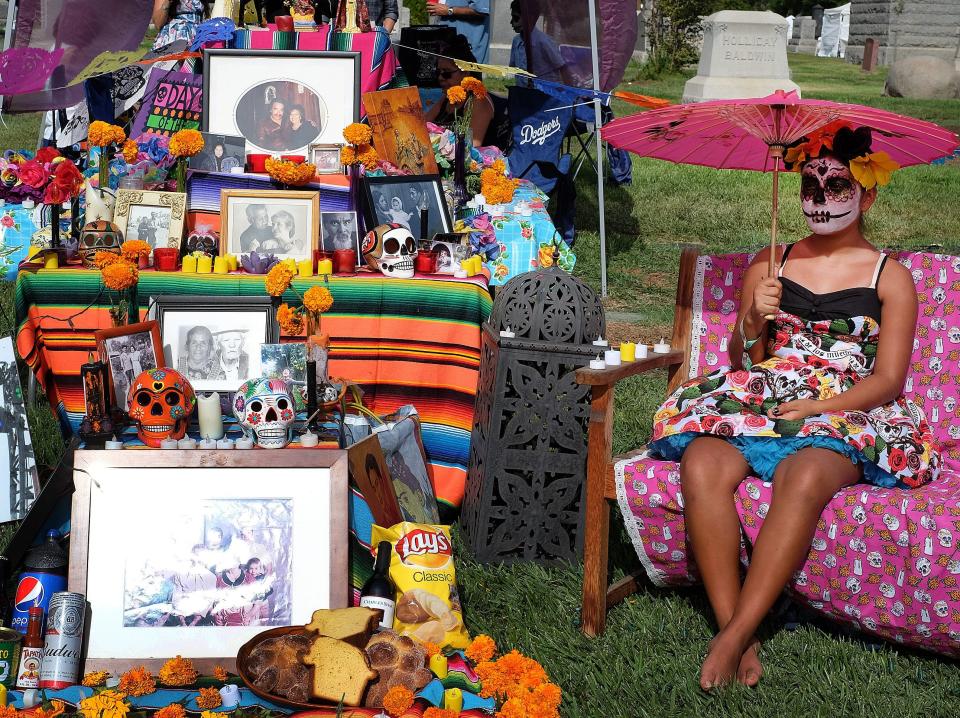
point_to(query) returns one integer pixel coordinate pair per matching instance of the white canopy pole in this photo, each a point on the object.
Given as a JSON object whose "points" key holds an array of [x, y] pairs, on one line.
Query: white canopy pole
{"points": [[598, 120]]}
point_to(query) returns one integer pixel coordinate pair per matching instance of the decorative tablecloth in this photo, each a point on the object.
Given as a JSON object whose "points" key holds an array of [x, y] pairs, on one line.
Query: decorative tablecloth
{"points": [[413, 341]]}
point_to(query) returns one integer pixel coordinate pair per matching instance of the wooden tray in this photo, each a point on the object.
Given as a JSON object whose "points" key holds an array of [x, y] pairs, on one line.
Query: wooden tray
{"points": [[244, 653]]}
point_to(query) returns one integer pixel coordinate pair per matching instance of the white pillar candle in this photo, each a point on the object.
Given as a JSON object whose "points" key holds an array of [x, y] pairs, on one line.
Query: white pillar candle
{"points": [[598, 363], [309, 439], [244, 442], [229, 696], [208, 412], [113, 444], [611, 357], [600, 342], [225, 443], [169, 444], [661, 347], [641, 351], [187, 443], [208, 444]]}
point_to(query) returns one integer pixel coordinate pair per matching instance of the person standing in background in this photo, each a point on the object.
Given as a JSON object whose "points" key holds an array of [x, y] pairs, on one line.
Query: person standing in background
{"points": [[383, 13], [470, 18]]}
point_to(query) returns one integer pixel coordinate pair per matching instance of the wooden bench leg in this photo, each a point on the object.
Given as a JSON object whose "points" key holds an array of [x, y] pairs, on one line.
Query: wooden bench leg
{"points": [[596, 533]]}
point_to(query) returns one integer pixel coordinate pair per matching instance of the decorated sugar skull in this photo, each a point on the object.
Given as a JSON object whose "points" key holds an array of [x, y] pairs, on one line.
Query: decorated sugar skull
{"points": [[265, 409], [99, 236], [391, 249], [875, 559], [203, 239], [160, 404]]}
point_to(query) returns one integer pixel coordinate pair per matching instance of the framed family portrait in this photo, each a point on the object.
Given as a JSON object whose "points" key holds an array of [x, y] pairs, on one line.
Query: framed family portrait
{"points": [[281, 101], [285, 223], [152, 217], [218, 557], [128, 351], [326, 158], [399, 199], [215, 341], [289, 363], [220, 153], [339, 231]]}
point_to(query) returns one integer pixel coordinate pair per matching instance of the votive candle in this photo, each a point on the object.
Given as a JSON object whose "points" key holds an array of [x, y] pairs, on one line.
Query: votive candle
{"points": [[190, 264], [308, 439], [220, 265], [244, 442], [600, 342], [453, 700], [169, 444], [305, 268], [661, 347], [325, 266], [477, 263], [345, 261], [611, 357], [229, 696], [207, 444], [438, 665], [628, 351], [225, 443], [598, 363], [641, 351], [51, 261], [33, 251], [232, 262], [113, 444], [204, 264], [187, 443]]}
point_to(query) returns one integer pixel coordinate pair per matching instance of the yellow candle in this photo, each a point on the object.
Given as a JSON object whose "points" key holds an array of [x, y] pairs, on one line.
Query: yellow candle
{"points": [[33, 251], [453, 700], [438, 664], [51, 261], [325, 266], [3, 695], [232, 263], [292, 263], [628, 351], [305, 268], [190, 264], [220, 265], [204, 264], [467, 266], [477, 263]]}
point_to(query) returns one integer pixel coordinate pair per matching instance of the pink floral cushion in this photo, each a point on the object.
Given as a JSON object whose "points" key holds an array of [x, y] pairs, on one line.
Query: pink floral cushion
{"points": [[882, 559]]}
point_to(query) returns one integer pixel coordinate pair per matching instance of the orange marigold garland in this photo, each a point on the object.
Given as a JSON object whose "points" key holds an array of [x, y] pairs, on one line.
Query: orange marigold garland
{"points": [[209, 699], [95, 679], [174, 710], [137, 682], [440, 713], [520, 685], [178, 671], [291, 174], [398, 701], [481, 649], [278, 279]]}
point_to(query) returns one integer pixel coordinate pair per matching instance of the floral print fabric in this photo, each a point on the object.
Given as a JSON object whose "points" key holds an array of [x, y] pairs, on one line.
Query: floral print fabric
{"points": [[883, 560]]}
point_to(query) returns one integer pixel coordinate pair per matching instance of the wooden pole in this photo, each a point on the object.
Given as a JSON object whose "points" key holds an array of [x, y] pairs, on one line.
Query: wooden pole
{"points": [[776, 152]]}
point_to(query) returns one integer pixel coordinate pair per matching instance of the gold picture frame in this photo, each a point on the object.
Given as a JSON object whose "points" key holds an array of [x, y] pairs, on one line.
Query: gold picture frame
{"points": [[291, 228], [153, 217], [321, 156]]}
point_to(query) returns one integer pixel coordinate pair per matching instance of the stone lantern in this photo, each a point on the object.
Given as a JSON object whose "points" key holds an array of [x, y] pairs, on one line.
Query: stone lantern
{"points": [[528, 448]]}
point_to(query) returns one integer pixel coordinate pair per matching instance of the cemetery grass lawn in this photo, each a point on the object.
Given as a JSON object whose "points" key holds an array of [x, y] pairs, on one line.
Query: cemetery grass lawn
{"points": [[647, 662]]}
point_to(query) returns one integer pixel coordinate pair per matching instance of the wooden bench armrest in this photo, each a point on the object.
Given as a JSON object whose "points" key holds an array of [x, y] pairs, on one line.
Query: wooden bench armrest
{"points": [[611, 375]]}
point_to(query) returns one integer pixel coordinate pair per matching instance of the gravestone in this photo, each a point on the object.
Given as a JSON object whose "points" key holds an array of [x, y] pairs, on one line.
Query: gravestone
{"points": [[870, 51], [744, 55], [807, 45], [923, 77], [904, 28]]}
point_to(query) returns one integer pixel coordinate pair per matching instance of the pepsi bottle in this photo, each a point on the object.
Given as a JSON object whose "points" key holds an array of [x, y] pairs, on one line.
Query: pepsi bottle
{"points": [[44, 574]]}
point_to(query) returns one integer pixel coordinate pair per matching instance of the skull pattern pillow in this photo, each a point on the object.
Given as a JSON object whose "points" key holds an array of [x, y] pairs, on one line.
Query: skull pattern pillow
{"points": [[265, 409], [391, 249]]}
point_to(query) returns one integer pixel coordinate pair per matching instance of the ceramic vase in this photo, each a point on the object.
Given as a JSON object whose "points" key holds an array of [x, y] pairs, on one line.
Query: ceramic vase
{"points": [[99, 203]]}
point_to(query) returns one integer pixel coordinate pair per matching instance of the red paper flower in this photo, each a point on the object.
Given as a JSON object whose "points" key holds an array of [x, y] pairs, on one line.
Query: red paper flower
{"points": [[33, 174], [46, 154]]}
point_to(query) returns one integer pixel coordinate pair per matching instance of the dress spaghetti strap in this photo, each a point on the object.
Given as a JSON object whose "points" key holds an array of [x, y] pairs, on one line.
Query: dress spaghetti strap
{"points": [[879, 268], [783, 259]]}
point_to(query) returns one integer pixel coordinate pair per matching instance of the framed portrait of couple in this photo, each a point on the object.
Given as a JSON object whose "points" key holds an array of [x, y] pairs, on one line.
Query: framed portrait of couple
{"points": [[281, 101], [284, 223], [128, 351]]}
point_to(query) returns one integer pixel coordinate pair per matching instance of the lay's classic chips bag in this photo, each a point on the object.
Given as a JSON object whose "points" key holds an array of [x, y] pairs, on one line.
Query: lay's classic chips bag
{"points": [[421, 567]]}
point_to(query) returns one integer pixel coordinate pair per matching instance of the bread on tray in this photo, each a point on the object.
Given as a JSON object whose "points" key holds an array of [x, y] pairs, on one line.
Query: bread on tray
{"points": [[340, 671], [353, 625]]}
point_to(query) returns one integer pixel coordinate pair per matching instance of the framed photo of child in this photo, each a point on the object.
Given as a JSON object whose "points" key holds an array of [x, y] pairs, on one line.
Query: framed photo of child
{"points": [[284, 223]]}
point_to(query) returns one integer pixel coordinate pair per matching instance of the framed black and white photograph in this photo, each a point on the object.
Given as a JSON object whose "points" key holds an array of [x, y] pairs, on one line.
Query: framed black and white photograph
{"points": [[215, 341], [400, 200], [326, 158], [339, 231], [153, 217], [17, 460], [128, 351], [284, 223], [281, 101], [218, 557], [220, 153]]}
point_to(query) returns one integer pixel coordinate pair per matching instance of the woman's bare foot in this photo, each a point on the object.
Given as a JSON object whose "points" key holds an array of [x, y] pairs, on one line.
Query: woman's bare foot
{"points": [[723, 659], [751, 669]]}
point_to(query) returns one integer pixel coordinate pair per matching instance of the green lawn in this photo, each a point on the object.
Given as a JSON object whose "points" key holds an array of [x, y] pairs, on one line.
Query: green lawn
{"points": [[647, 662]]}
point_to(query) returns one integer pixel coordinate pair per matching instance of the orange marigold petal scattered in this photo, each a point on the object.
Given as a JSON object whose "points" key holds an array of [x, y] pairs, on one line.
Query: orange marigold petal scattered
{"points": [[95, 679], [209, 699], [481, 649], [398, 701], [178, 671]]}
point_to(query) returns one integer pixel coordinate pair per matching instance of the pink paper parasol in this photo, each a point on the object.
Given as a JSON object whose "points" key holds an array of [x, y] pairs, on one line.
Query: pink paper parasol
{"points": [[753, 134]]}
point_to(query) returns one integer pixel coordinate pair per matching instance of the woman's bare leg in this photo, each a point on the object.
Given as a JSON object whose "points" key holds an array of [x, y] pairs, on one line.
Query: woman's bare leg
{"points": [[803, 485], [710, 472]]}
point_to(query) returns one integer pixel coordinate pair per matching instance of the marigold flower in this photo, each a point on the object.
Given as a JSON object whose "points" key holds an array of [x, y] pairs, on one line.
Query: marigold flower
{"points": [[55, 709], [318, 299], [398, 701], [513, 708], [130, 151], [357, 133], [186, 143], [210, 714], [178, 672], [133, 249], [368, 157], [348, 155], [482, 648], [431, 648], [106, 704], [278, 279], [95, 679], [9, 712], [432, 712], [174, 710], [456, 95], [104, 259], [209, 699], [103, 133], [137, 682], [120, 275], [290, 320], [220, 673], [290, 173], [472, 84]]}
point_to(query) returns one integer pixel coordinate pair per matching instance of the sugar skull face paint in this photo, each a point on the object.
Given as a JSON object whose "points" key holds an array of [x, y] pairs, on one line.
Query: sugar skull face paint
{"points": [[829, 195]]}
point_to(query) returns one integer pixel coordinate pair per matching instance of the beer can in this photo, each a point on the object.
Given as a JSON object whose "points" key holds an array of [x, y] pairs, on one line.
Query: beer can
{"points": [[63, 639], [9, 656]]}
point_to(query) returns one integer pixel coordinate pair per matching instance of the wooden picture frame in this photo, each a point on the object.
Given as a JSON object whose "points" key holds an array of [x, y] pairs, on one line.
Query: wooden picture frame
{"points": [[368, 470], [402, 207], [292, 216], [140, 214], [104, 339], [175, 313], [325, 156], [189, 496], [399, 129]]}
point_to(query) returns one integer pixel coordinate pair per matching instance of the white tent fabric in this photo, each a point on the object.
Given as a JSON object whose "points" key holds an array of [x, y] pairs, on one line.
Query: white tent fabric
{"points": [[835, 32], [789, 20]]}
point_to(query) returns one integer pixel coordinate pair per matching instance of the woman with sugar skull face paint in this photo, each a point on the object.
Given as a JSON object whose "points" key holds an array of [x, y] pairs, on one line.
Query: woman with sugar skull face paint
{"points": [[812, 402]]}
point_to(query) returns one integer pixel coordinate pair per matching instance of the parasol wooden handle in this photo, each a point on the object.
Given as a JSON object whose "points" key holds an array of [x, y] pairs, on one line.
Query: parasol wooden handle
{"points": [[776, 152]]}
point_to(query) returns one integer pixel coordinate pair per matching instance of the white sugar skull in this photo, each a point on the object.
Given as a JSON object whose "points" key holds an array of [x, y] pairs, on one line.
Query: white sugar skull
{"points": [[830, 561], [897, 609], [954, 431], [953, 334], [852, 610], [875, 559], [712, 359], [887, 590], [659, 547], [927, 522], [859, 514], [941, 609], [922, 596], [800, 578], [391, 249], [762, 510], [890, 521], [869, 624], [935, 394], [818, 543], [923, 566], [265, 409], [924, 630], [939, 295], [677, 556], [950, 403], [655, 500], [935, 364], [716, 292], [938, 324], [903, 540], [673, 478], [853, 585], [728, 306], [858, 545], [640, 487], [945, 538], [917, 275]]}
